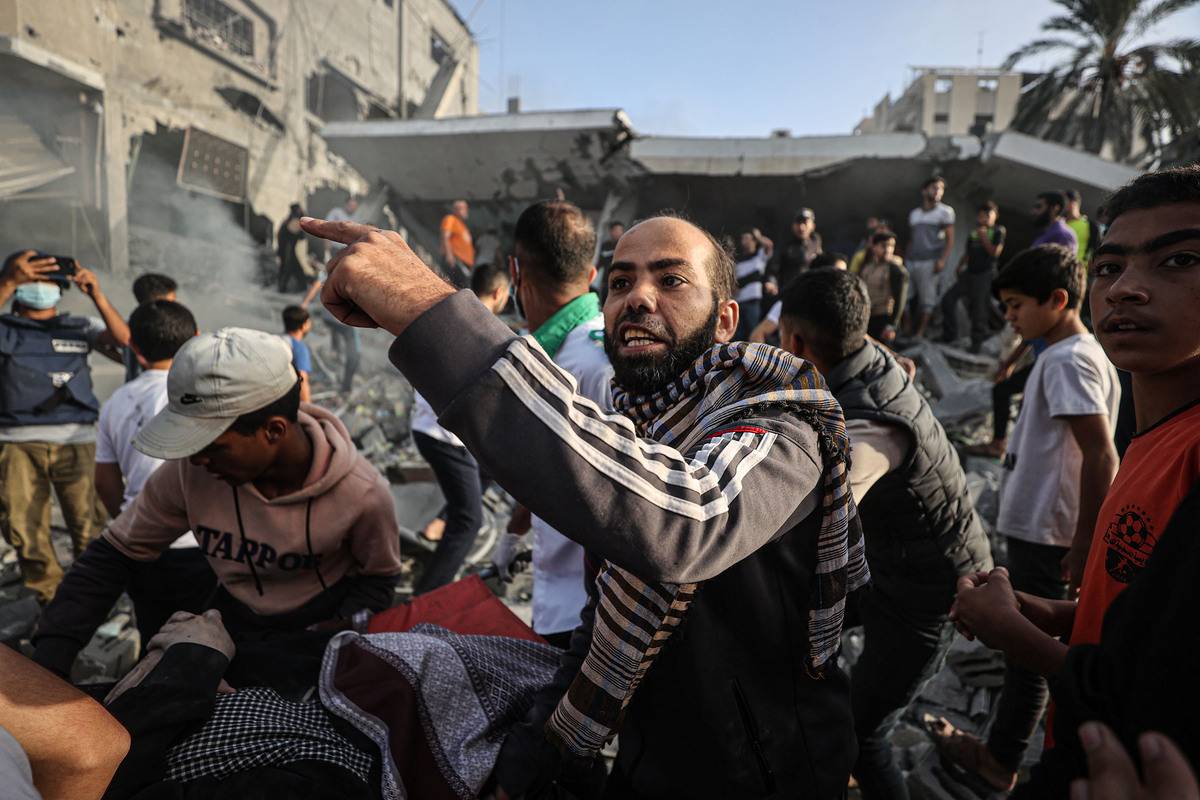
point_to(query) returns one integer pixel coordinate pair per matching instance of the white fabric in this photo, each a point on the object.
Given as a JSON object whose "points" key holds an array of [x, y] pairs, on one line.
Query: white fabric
{"points": [[876, 448], [129, 408], [559, 591], [757, 263], [337, 214], [927, 231], [424, 420], [775, 312], [1039, 501], [16, 776]]}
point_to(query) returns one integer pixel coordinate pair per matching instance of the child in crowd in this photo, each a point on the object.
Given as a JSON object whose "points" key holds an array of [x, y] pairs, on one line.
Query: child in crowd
{"points": [[296, 325], [1145, 303], [298, 526], [1060, 462], [887, 284], [180, 580]]}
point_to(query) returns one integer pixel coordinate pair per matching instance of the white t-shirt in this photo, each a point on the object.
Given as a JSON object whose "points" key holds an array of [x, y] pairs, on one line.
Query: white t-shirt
{"points": [[1039, 501], [776, 312], [425, 421], [130, 407], [559, 591], [750, 276], [927, 231]]}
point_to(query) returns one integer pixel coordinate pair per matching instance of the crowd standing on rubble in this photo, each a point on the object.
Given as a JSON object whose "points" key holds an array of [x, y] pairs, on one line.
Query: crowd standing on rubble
{"points": [[725, 463]]}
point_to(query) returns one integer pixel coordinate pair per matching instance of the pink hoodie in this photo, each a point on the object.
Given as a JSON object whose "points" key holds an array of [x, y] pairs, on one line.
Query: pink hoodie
{"points": [[265, 558]]}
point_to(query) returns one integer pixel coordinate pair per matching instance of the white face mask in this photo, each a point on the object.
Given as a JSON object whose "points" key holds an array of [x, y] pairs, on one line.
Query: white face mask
{"points": [[38, 296]]}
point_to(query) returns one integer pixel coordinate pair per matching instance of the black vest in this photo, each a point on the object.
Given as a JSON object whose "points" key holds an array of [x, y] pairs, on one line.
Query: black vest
{"points": [[919, 523], [727, 710], [44, 374]]}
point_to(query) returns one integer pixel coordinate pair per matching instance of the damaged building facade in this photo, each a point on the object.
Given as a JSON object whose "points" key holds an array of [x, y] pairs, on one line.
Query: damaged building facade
{"points": [[164, 134]]}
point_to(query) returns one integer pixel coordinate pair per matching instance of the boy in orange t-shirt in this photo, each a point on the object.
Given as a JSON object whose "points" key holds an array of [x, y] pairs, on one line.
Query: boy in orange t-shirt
{"points": [[1146, 306]]}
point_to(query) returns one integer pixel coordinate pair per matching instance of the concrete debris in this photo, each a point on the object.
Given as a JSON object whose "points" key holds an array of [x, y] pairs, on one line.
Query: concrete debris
{"points": [[113, 650]]}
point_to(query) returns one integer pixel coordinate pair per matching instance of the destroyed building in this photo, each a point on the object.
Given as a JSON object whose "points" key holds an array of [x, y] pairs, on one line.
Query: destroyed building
{"points": [[138, 132]]}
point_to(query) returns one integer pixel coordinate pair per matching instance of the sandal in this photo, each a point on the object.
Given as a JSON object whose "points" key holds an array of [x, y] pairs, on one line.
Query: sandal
{"points": [[969, 754]]}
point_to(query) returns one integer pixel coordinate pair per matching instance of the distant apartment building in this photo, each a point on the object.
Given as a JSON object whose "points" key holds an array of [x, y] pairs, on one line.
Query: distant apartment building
{"points": [[949, 101], [126, 121]]}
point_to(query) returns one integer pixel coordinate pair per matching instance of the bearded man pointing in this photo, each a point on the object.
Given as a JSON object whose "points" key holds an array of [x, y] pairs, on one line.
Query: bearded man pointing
{"points": [[714, 506]]}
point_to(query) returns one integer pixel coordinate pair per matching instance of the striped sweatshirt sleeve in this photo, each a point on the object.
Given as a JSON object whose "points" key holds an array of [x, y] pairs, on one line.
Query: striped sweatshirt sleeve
{"points": [[663, 514]]}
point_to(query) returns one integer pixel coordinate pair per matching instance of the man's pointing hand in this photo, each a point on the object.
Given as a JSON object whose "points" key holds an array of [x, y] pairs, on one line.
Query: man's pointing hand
{"points": [[376, 280]]}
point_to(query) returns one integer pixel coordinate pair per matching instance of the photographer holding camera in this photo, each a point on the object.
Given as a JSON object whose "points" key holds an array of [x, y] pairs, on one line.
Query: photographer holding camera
{"points": [[48, 410]]}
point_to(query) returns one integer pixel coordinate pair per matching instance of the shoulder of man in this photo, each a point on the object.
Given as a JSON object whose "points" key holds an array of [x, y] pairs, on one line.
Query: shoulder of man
{"points": [[784, 421]]}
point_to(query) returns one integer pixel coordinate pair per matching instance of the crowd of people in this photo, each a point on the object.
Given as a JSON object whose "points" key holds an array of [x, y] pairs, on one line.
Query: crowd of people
{"points": [[723, 462]]}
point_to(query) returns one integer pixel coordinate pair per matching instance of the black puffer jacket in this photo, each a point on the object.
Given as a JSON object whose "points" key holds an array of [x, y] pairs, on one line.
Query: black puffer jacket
{"points": [[920, 525]]}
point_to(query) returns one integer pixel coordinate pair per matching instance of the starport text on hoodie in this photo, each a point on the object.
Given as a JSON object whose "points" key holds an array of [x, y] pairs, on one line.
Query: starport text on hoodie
{"points": [[273, 555]]}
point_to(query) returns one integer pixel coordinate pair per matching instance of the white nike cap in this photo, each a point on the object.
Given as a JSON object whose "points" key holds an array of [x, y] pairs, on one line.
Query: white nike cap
{"points": [[214, 379]]}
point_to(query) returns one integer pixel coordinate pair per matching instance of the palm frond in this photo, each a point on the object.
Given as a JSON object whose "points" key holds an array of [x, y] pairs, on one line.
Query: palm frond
{"points": [[1035, 47], [1154, 13]]}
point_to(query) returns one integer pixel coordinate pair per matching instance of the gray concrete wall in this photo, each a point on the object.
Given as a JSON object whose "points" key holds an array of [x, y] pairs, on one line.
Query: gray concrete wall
{"points": [[420, 21]]}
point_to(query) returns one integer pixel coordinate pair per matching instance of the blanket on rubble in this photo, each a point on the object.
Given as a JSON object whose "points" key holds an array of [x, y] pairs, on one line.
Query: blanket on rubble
{"points": [[438, 704]]}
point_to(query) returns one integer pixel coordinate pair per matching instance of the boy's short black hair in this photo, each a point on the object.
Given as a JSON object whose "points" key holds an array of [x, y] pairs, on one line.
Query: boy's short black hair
{"points": [[1039, 271], [883, 236], [153, 286], [1054, 199], [822, 260], [159, 328], [558, 241], [987, 205], [1154, 189], [932, 181], [486, 278], [287, 407], [837, 308], [294, 318]]}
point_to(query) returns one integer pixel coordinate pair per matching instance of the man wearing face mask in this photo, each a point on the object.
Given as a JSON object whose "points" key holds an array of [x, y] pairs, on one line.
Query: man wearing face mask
{"points": [[713, 505], [48, 410]]}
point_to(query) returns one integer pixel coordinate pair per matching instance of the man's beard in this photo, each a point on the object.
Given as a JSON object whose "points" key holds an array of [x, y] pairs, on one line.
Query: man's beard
{"points": [[1042, 220], [642, 375]]}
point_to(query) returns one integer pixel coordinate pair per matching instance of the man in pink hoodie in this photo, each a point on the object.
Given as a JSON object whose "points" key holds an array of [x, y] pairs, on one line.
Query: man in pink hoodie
{"points": [[297, 525]]}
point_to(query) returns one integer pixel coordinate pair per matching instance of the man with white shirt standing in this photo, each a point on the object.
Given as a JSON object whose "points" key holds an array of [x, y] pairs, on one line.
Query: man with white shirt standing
{"points": [[552, 272], [180, 580], [920, 526], [930, 242]]}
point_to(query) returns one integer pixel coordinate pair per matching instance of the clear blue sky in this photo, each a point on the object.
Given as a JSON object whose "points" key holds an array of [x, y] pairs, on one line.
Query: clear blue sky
{"points": [[708, 68]]}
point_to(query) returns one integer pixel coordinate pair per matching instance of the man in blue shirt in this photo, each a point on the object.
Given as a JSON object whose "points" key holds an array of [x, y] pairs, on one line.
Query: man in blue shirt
{"points": [[296, 326]]}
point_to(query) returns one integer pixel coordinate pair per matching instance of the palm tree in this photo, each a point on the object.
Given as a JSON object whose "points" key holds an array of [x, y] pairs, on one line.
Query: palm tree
{"points": [[1113, 89]]}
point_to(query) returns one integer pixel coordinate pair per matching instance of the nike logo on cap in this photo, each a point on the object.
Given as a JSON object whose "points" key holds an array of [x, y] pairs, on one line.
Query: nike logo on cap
{"points": [[190, 400]]}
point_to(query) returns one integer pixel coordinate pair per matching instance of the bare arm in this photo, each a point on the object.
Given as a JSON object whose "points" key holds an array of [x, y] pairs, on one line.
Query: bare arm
{"points": [[767, 245], [305, 387], [763, 330], [313, 290], [1052, 617], [110, 486], [949, 246], [1096, 473], [74, 746], [117, 334]]}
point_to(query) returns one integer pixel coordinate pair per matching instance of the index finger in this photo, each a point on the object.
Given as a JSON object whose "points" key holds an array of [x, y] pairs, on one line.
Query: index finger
{"points": [[345, 232], [1111, 774]]}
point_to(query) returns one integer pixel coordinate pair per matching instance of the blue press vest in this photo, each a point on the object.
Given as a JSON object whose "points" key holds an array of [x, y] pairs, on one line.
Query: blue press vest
{"points": [[44, 374]]}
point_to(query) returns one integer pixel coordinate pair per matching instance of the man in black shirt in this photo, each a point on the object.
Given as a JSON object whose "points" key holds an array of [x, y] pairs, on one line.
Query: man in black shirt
{"points": [[797, 253], [975, 271]]}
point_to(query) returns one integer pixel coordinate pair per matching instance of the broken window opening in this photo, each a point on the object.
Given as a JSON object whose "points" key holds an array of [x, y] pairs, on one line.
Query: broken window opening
{"points": [[220, 26], [943, 86], [439, 50]]}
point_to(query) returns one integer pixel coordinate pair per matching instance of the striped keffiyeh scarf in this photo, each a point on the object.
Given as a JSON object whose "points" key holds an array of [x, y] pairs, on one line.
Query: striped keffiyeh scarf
{"points": [[634, 619]]}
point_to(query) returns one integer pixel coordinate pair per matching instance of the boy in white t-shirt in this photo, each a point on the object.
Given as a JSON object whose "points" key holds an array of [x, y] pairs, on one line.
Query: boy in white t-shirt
{"points": [[181, 578], [1060, 461]]}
